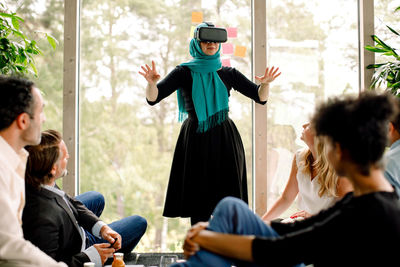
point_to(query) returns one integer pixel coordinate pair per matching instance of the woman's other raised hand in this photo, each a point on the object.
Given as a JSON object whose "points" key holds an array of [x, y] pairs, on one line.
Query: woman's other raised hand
{"points": [[269, 76]]}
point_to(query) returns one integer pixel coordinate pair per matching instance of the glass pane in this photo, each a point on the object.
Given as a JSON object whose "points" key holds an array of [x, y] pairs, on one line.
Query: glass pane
{"points": [[315, 45], [41, 18], [126, 146]]}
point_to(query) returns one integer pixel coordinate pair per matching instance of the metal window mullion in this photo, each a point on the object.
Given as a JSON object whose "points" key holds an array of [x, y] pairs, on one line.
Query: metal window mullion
{"points": [[71, 93], [365, 30], [259, 48]]}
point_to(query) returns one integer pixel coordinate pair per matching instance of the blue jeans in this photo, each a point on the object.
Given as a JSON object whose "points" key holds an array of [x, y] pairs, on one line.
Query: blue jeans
{"points": [[131, 228], [93, 200], [232, 216]]}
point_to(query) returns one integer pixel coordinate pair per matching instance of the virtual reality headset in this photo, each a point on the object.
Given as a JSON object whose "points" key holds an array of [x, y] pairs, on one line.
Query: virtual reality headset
{"points": [[211, 34]]}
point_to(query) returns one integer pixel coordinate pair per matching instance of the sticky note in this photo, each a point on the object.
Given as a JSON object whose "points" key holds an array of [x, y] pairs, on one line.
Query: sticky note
{"points": [[226, 62], [197, 17], [227, 48], [240, 51], [192, 31], [232, 32]]}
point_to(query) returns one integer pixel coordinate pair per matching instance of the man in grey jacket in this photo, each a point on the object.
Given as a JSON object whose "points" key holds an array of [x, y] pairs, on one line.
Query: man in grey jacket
{"points": [[61, 225]]}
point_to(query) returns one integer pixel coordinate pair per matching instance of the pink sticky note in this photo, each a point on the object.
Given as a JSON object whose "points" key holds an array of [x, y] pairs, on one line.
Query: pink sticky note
{"points": [[232, 32], [227, 48], [226, 62]]}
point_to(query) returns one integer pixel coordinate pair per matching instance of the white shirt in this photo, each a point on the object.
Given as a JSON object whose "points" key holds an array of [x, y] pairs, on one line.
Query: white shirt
{"points": [[14, 249], [308, 198]]}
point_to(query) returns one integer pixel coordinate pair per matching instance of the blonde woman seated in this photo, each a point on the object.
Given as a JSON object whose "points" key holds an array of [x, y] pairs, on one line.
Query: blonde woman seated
{"points": [[312, 179]]}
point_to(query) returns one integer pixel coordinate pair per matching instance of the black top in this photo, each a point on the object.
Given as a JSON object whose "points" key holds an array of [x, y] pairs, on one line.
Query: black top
{"points": [[180, 77], [357, 231]]}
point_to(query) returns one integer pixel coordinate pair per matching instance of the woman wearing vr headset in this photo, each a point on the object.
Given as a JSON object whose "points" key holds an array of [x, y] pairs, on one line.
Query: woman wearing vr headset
{"points": [[209, 159]]}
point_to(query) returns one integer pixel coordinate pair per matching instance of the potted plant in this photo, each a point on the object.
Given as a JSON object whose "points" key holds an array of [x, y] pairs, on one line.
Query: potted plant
{"points": [[16, 50], [387, 73]]}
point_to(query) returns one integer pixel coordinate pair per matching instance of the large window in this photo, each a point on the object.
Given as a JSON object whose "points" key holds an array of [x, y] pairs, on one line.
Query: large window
{"points": [[126, 146], [315, 45]]}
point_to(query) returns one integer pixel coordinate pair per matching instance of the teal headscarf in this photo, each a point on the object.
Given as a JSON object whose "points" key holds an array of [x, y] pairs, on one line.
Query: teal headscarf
{"points": [[209, 94]]}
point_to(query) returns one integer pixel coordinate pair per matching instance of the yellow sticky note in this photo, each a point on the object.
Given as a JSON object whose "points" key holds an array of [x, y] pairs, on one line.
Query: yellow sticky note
{"points": [[192, 31], [197, 17], [240, 51]]}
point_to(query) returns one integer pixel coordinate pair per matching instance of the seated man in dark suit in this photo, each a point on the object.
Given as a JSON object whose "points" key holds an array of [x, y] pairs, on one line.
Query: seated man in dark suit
{"points": [[62, 226]]}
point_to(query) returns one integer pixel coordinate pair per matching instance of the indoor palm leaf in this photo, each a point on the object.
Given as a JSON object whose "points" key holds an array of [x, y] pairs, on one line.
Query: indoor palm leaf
{"points": [[387, 73]]}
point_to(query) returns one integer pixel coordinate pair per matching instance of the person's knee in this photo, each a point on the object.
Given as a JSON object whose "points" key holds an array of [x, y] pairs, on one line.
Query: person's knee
{"points": [[229, 206], [140, 222], [99, 198], [229, 202]]}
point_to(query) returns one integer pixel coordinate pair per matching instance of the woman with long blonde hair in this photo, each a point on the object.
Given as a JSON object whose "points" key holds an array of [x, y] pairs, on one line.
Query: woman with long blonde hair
{"points": [[311, 179]]}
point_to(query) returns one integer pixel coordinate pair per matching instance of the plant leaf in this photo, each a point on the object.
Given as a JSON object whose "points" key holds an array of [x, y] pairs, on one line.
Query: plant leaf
{"points": [[375, 49], [5, 15], [18, 18], [19, 34], [389, 53], [34, 68], [52, 41], [379, 41], [374, 66], [392, 30], [15, 22]]}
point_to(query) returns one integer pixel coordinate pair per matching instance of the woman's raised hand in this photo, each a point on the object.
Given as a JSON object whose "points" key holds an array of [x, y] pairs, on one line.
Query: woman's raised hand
{"points": [[269, 76], [150, 74]]}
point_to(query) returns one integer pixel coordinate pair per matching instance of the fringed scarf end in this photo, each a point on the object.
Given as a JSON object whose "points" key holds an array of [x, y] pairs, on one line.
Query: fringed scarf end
{"points": [[213, 121]]}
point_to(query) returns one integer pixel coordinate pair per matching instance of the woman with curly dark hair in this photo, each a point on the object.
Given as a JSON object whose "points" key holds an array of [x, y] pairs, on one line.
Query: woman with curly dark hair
{"points": [[358, 230]]}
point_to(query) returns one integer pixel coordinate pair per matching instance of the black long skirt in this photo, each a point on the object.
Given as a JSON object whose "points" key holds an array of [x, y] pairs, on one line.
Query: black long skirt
{"points": [[206, 167]]}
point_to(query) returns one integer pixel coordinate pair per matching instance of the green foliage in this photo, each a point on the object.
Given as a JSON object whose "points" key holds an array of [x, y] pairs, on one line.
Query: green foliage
{"points": [[16, 50], [386, 73]]}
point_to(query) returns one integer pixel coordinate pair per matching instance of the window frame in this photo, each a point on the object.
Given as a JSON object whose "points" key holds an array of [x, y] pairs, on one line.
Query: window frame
{"points": [[259, 118]]}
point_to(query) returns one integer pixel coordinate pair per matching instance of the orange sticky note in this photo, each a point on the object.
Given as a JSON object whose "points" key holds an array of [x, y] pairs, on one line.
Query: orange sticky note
{"points": [[240, 51], [226, 62], [192, 31], [227, 49], [197, 17]]}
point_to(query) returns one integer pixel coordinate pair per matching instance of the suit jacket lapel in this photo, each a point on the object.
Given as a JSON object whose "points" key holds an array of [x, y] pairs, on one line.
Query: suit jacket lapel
{"points": [[61, 202]]}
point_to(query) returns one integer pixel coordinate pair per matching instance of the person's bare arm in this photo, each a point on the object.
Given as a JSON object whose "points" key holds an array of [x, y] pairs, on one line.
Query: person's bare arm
{"points": [[269, 76], [287, 197], [151, 75], [228, 245]]}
